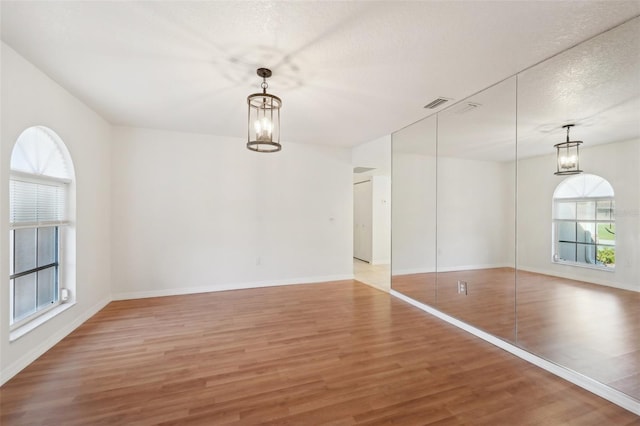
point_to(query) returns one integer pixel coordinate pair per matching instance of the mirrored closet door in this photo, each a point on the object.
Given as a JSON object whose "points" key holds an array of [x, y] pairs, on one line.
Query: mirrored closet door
{"points": [[578, 299], [476, 210], [413, 247], [517, 210]]}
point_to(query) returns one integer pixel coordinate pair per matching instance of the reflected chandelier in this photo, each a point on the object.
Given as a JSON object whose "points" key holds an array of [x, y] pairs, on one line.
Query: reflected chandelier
{"points": [[568, 155]]}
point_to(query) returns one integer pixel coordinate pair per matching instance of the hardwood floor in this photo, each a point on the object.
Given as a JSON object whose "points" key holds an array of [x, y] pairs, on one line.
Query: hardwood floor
{"points": [[378, 276], [589, 328], [340, 353]]}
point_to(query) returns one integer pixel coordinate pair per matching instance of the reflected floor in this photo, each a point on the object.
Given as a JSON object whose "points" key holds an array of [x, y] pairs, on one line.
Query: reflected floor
{"points": [[374, 275], [589, 328], [488, 305]]}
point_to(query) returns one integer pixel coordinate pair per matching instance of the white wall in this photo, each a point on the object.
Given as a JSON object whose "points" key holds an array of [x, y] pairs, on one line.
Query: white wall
{"points": [[475, 214], [198, 213], [618, 163], [381, 209], [414, 213], [29, 98], [473, 224], [374, 154], [190, 212], [380, 217]]}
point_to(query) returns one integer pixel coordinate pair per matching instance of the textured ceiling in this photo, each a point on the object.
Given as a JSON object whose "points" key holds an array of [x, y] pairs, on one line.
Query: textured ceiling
{"points": [[595, 86], [347, 72]]}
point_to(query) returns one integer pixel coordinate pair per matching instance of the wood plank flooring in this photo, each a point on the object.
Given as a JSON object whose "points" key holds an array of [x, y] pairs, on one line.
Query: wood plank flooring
{"points": [[340, 353], [589, 328]]}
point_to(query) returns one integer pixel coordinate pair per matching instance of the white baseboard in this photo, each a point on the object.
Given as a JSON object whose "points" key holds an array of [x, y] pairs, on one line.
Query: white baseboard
{"points": [[427, 270], [47, 344], [410, 271], [619, 398], [570, 276], [474, 267], [225, 287], [376, 286]]}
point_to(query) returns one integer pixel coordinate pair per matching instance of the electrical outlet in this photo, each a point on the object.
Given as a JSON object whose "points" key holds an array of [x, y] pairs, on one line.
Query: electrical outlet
{"points": [[463, 287]]}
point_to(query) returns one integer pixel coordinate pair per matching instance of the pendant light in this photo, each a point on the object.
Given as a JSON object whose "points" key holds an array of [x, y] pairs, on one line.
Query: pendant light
{"points": [[263, 127], [568, 155]]}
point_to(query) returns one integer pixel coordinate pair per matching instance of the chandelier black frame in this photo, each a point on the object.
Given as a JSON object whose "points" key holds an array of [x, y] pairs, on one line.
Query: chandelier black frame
{"points": [[263, 126], [568, 155]]}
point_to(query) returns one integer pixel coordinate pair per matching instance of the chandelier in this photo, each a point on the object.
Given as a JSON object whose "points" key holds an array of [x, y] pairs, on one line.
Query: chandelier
{"points": [[263, 128], [568, 155]]}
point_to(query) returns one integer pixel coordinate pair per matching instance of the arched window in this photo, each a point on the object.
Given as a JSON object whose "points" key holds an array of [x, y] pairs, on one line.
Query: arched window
{"points": [[584, 225], [41, 203]]}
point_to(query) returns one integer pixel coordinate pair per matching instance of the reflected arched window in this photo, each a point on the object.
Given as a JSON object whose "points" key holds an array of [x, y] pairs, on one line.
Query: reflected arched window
{"points": [[584, 226], [40, 184]]}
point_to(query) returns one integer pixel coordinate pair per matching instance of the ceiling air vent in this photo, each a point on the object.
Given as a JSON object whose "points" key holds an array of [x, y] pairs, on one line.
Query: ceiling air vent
{"points": [[466, 107], [436, 103]]}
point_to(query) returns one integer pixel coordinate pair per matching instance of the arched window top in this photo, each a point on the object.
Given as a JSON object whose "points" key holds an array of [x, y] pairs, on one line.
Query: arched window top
{"points": [[583, 186], [40, 151]]}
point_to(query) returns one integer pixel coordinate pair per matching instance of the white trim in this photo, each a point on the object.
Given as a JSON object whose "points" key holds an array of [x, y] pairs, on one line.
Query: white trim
{"points": [[427, 270], [557, 272], [34, 319], [474, 267], [411, 271], [619, 398], [569, 276], [32, 177], [48, 343], [228, 286], [376, 286], [46, 224], [584, 265]]}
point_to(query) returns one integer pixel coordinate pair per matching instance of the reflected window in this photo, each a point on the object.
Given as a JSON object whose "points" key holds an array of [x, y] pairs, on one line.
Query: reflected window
{"points": [[38, 192], [584, 225]]}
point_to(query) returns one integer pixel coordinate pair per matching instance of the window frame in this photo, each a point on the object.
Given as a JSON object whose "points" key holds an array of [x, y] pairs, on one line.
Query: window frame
{"points": [[59, 237], [595, 221], [40, 156], [13, 323]]}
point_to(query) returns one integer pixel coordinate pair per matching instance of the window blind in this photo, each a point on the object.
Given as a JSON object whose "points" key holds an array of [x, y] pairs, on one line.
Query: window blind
{"points": [[36, 203]]}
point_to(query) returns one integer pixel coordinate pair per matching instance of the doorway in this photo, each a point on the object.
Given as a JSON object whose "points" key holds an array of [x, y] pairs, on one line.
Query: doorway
{"points": [[371, 230], [362, 220]]}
